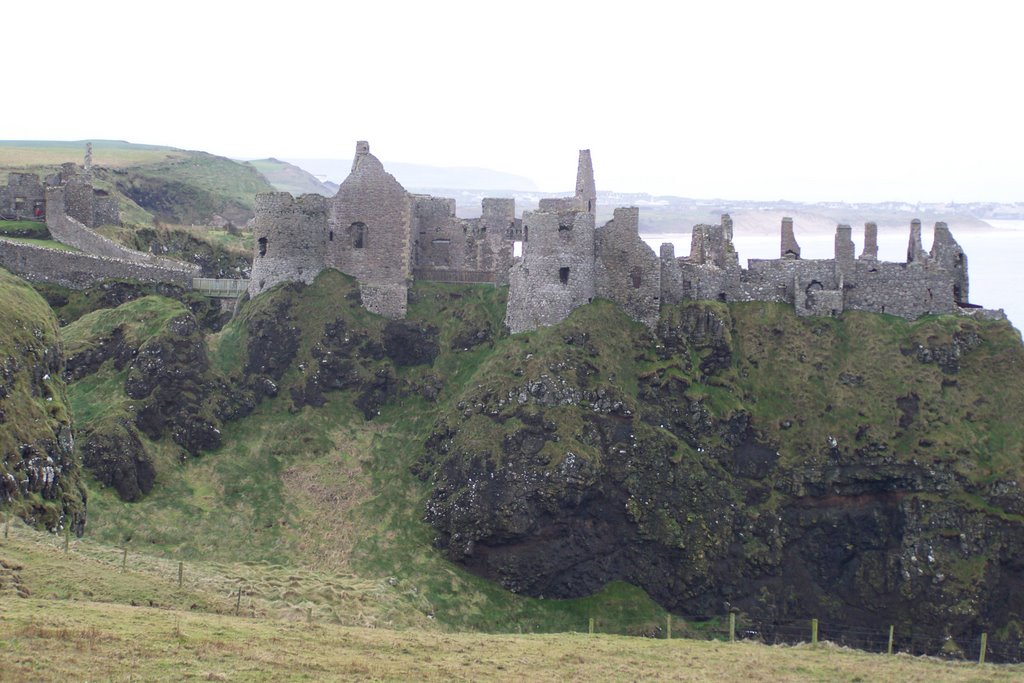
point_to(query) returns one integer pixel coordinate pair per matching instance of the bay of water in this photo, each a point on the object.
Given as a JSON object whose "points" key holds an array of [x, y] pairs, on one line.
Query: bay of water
{"points": [[995, 256]]}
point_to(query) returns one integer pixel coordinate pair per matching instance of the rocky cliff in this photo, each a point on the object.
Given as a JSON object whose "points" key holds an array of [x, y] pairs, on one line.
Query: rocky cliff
{"points": [[863, 470], [39, 472]]}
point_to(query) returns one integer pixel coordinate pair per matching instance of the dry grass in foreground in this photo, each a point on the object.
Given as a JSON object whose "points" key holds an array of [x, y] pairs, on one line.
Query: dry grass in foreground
{"points": [[51, 640]]}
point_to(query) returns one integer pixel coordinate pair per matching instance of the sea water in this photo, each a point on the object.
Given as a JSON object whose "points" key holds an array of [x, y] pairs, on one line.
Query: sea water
{"points": [[995, 256]]}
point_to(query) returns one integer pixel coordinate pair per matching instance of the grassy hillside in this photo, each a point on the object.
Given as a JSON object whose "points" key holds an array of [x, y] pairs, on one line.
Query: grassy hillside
{"points": [[172, 185], [315, 499], [39, 473], [77, 615], [36, 154], [321, 491], [287, 177]]}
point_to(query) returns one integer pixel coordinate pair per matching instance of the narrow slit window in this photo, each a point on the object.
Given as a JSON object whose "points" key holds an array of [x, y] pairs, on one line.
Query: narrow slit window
{"points": [[563, 275], [263, 246], [636, 277], [358, 233]]}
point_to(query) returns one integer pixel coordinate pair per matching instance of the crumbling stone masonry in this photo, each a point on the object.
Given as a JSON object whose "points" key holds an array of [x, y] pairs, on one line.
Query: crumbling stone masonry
{"points": [[377, 232], [385, 237], [23, 198], [79, 271], [566, 262], [929, 282], [71, 207]]}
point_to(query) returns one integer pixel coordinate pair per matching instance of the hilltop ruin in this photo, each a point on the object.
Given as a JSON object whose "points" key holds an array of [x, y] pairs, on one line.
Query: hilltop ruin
{"points": [[386, 237]]}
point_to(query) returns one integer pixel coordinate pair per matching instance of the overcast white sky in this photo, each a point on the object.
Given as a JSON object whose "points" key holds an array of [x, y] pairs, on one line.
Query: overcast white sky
{"points": [[855, 101]]}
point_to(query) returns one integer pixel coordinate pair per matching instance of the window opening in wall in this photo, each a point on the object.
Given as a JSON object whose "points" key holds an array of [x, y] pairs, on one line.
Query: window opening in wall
{"points": [[330, 236], [358, 232], [441, 241], [564, 227], [636, 277], [517, 249], [19, 202], [590, 205], [526, 233], [263, 246], [563, 275]]}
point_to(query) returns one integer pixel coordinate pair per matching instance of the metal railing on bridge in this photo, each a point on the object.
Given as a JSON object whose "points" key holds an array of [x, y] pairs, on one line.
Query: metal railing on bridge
{"points": [[222, 289]]}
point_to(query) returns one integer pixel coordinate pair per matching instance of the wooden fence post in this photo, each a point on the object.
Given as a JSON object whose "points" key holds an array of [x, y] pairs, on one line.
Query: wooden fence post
{"points": [[590, 626], [668, 627], [7, 524], [238, 603], [181, 569], [891, 629], [732, 627], [124, 560], [814, 631], [984, 646]]}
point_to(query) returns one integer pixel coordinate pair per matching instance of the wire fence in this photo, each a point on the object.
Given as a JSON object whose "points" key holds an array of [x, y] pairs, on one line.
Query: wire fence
{"points": [[891, 639]]}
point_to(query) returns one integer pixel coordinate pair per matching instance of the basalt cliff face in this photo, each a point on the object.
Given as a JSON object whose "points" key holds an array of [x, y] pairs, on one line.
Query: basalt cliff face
{"points": [[863, 470]]}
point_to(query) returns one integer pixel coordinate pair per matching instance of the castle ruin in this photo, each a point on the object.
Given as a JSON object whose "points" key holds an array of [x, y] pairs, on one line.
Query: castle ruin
{"points": [[386, 237], [72, 207]]}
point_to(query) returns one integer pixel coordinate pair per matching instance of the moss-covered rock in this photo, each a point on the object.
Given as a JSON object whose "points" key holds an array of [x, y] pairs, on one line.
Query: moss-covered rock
{"points": [[39, 472], [863, 470]]}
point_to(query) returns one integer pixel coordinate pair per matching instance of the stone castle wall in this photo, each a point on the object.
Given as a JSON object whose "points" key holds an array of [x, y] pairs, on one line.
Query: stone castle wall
{"points": [[68, 230], [369, 225], [445, 242], [557, 271], [930, 282], [290, 238], [383, 236], [87, 205], [627, 270], [79, 271], [23, 197], [71, 205], [375, 231]]}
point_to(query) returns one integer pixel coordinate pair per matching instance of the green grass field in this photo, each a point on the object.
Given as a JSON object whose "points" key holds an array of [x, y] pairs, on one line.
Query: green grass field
{"points": [[76, 615], [47, 244], [33, 154]]}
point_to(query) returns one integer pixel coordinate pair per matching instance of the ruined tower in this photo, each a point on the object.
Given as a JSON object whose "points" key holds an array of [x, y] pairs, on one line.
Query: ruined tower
{"points": [[290, 240], [369, 234], [947, 255], [915, 249], [870, 252], [556, 272], [586, 190], [788, 249]]}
